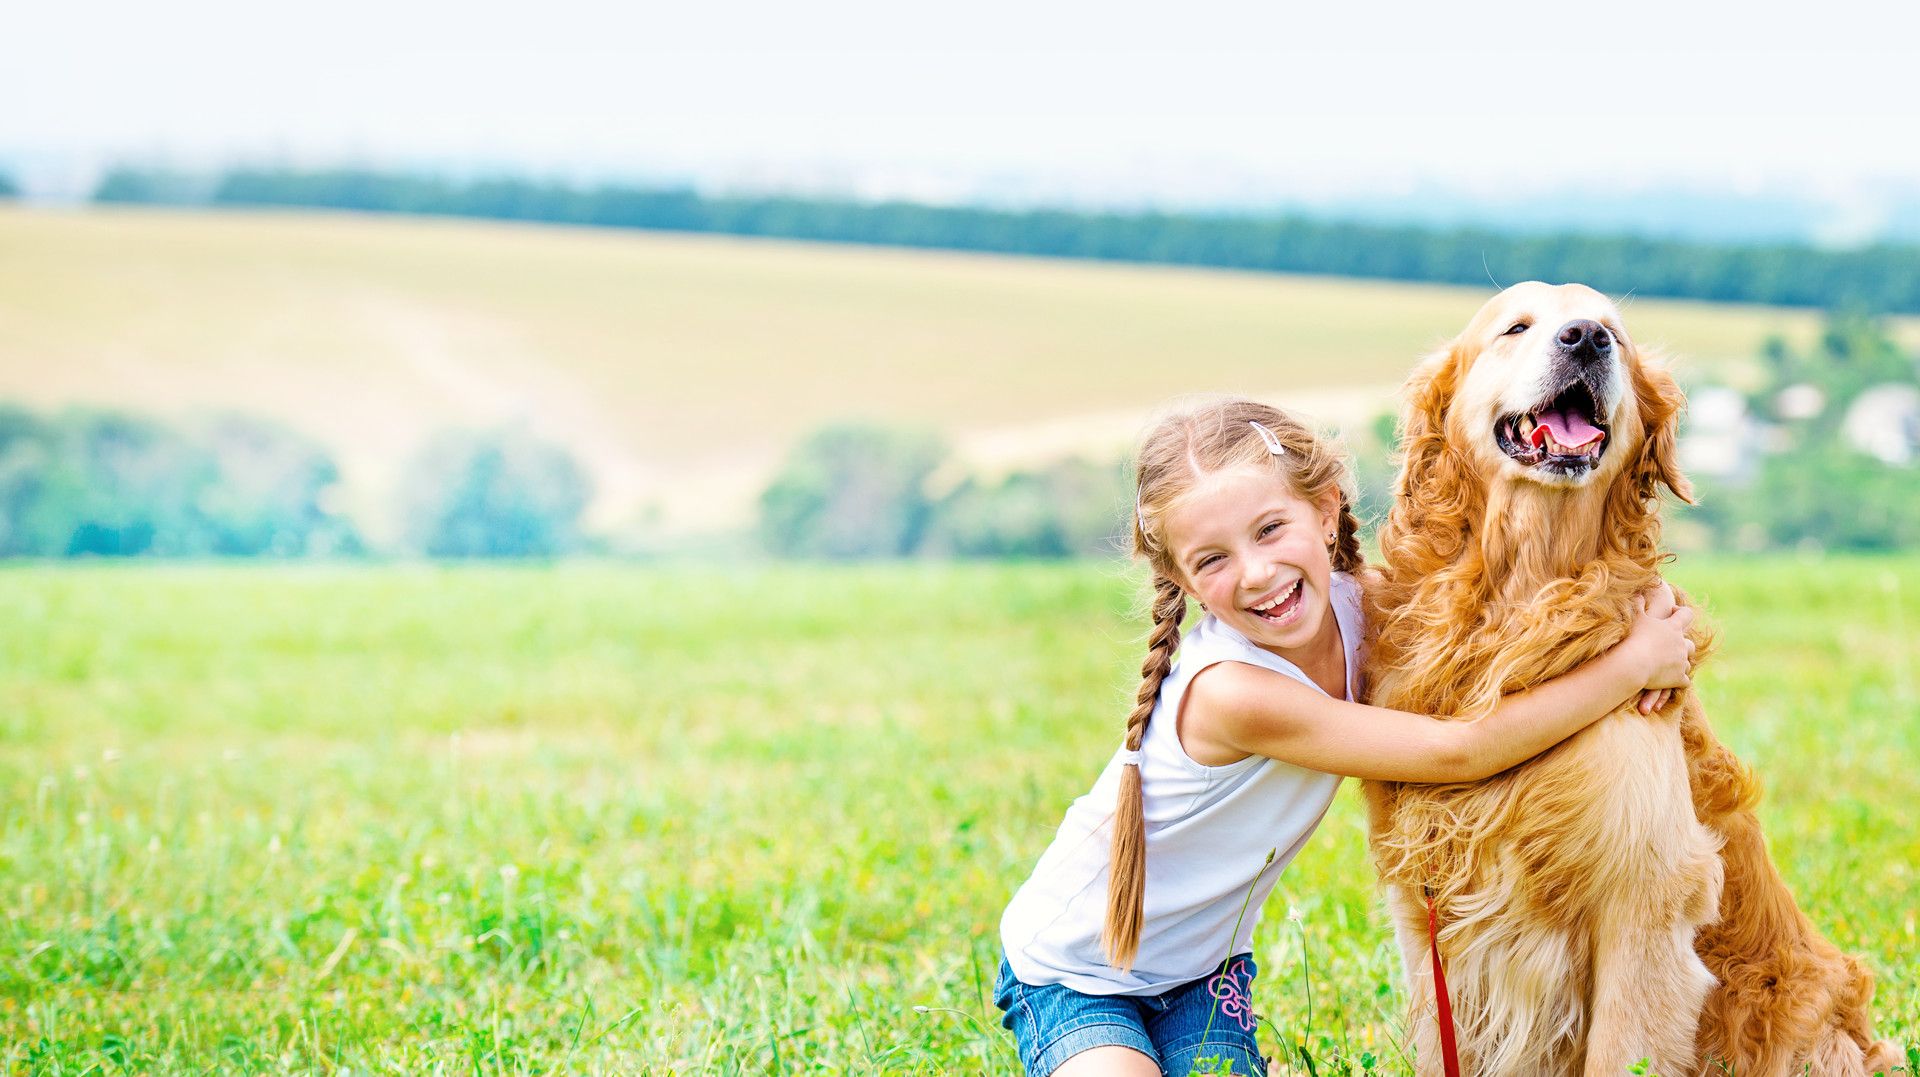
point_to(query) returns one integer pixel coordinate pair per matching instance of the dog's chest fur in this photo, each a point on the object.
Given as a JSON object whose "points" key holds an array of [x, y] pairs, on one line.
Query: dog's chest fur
{"points": [[1608, 798]]}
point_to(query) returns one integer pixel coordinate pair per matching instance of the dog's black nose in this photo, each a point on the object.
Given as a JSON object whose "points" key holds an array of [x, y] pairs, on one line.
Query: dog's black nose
{"points": [[1586, 337]]}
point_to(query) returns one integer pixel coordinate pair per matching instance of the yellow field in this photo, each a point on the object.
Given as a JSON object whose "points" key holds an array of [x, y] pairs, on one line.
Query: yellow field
{"points": [[680, 368]]}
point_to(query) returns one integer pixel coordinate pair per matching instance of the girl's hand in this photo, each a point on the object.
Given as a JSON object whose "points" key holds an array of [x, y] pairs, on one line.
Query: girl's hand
{"points": [[1658, 645]]}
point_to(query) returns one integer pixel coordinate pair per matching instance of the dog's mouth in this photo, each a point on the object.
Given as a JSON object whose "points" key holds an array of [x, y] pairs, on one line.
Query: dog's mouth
{"points": [[1563, 437]]}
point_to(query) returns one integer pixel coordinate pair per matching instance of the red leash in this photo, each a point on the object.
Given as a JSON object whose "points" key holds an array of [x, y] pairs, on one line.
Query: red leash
{"points": [[1449, 1050]]}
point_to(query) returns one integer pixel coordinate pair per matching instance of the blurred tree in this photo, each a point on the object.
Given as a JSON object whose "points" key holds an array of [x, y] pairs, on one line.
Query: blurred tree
{"points": [[1073, 508], [100, 483], [8, 188], [1854, 352], [498, 493], [25, 458], [273, 492], [852, 491], [124, 485], [1834, 497]]}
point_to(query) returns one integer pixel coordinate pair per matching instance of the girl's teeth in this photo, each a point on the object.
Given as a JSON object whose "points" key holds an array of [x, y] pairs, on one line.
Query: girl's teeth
{"points": [[1278, 599]]}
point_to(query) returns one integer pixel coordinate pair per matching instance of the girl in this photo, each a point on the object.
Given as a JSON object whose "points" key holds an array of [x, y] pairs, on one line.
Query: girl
{"points": [[1114, 945]]}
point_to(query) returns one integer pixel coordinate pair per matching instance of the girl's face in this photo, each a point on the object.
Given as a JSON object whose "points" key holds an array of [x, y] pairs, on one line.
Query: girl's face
{"points": [[1256, 555]]}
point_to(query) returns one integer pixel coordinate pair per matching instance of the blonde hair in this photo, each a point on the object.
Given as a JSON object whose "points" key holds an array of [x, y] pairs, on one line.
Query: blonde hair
{"points": [[1181, 449]]}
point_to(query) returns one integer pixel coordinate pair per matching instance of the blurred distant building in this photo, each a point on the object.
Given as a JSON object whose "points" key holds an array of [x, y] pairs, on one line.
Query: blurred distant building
{"points": [[1884, 421], [1722, 439]]}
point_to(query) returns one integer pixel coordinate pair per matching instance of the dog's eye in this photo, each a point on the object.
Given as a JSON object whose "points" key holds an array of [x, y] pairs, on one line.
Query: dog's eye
{"points": [[1517, 327]]}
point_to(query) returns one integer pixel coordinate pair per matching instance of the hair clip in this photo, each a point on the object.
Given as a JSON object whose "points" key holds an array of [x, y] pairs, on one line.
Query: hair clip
{"points": [[1272, 439]]}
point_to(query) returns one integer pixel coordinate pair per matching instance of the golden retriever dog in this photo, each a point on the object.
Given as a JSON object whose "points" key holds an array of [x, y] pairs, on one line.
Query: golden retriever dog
{"points": [[1611, 899]]}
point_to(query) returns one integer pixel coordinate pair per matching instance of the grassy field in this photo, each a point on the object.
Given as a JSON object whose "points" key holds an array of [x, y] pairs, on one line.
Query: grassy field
{"points": [[605, 819], [679, 367]]}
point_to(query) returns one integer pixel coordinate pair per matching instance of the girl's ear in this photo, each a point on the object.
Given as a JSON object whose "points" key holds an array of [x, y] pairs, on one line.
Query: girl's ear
{"points": [[1328, 504]]}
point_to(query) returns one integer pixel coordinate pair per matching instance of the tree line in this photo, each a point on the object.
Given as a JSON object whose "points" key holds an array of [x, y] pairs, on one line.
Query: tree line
{"points": [[1880, 277]]}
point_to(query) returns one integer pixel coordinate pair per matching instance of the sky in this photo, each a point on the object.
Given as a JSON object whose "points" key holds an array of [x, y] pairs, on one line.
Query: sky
{"points": [[1206, 103]]}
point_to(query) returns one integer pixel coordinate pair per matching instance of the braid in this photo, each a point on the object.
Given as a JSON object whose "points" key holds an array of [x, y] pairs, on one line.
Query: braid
{"points": [[1169, 609], [1346, 550], [1127, 874]]}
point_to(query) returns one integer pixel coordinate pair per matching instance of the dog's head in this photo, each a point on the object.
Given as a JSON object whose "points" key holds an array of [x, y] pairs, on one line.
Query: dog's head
{"points": [[1546, 388]]}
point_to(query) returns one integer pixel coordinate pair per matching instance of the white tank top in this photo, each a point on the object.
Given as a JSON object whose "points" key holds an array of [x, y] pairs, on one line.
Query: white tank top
{"points": [[1208, 830]]}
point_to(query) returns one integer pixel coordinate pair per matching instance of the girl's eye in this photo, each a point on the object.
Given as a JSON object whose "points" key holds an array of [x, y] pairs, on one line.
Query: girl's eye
{"points": [[1269, 529], [1517, 327], [1207, 563]]}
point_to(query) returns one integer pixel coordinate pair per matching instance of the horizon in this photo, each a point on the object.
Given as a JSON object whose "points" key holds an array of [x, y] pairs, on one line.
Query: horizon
{"points": [[1888, 213], [1784, 136]]}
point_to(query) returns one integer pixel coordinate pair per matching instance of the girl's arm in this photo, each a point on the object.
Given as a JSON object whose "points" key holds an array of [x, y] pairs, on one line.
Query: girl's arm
{"points": [[1233, 710]]}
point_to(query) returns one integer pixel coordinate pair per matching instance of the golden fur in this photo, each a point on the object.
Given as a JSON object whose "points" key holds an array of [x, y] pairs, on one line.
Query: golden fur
{"points": [[1611, 899]]}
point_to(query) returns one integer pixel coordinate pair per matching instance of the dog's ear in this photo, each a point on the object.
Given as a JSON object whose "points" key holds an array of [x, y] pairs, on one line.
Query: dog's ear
{"points": [[1661, 403], [1437, 493], [1425, 462]]}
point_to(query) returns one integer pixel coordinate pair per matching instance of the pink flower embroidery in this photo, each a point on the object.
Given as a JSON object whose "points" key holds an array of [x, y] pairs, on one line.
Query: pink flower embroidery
{"points": [[1233, 1001]]}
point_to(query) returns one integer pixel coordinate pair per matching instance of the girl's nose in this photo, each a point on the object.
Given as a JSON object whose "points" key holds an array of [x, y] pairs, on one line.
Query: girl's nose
{"points": [[1256, 577]]}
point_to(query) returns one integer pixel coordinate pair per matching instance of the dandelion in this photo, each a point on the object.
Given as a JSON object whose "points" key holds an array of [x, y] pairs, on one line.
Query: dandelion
{"points": [[962, 1014]]}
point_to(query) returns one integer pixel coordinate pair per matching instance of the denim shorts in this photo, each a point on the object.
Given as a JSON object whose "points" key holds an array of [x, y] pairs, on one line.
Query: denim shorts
{"points": [[1209, 1018]]}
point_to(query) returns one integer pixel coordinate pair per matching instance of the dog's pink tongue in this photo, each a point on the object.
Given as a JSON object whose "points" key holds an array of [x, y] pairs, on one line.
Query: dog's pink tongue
{"points": [[1570, 431]]}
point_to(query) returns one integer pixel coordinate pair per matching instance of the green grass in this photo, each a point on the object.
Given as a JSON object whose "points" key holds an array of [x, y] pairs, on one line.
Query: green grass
{"points": [[681, 368], [714, 819]]}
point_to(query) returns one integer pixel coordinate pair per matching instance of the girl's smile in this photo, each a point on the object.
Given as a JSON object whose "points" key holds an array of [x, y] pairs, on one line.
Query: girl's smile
{"points": [[1280, 608]]}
